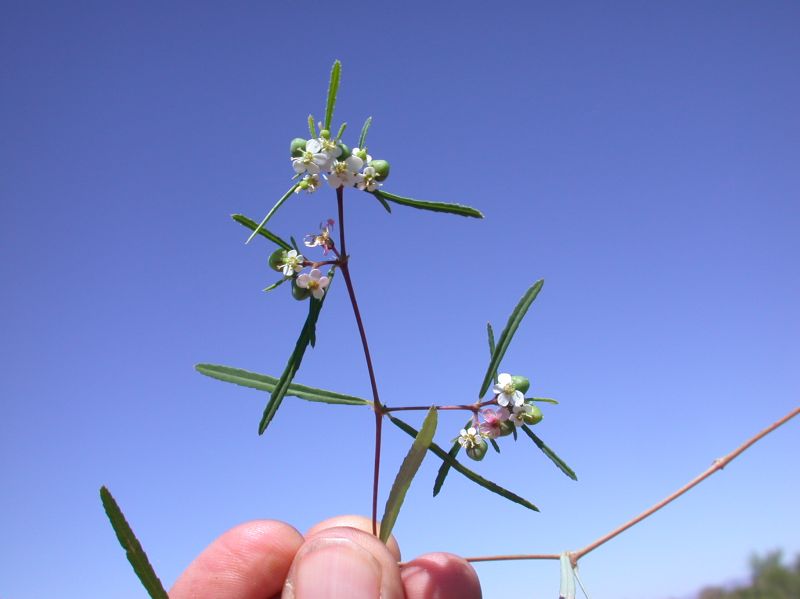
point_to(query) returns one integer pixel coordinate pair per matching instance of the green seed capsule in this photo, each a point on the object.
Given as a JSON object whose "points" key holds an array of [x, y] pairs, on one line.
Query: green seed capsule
{"points": [[478, 451], [506, 428], [534, 416], [299, 293], [381, 169], [325, 134], [521, 384], [346, 152], [277, 259], [297, 147]]}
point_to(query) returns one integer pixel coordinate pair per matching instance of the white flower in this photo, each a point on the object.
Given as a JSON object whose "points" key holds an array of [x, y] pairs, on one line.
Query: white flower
{"points": [[366, 181], [314, 282], [506, 391], [312, 160], [469, 438], [310, 183], [518, 417], [362, 154], [329, 147], [343, 172], [293, 263]]}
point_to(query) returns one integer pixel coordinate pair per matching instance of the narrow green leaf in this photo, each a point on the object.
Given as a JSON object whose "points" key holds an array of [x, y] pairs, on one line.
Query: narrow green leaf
{"points": [[426, 205], [282, 386], [490, 334], [514, 432], [408, 469], [133, 549], [264, 382], [384, 203], [277, 205], [542, 399], [460, 468], [508, 332], [562, 465], [341, 131], [363, 137], [252, 225], [495, 446], [445, 467], [294, 243], [276, 284], [333, 88], [312, 129]]}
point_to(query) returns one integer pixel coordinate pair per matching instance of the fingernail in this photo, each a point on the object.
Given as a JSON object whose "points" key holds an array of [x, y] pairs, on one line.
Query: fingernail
{"points": [[333, 568]]}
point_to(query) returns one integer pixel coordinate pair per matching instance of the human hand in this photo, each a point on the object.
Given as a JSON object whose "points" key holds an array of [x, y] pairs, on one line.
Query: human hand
{"points": [[337, 558]]}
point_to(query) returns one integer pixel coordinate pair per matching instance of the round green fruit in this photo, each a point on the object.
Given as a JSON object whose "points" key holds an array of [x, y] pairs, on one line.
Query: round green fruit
{"points": [[299, 293], [346, 152], [534, 416], [277, 259], [506, 428], [297, 147], [381, 169], [521, 384], [477, 451]]}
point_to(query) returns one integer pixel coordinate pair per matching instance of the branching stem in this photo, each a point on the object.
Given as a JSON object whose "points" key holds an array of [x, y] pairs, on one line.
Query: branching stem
{"points": [[718, 464]]}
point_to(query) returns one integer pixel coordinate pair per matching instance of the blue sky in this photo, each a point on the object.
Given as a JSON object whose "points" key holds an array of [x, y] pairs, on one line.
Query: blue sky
{"points": [[640, 157]]}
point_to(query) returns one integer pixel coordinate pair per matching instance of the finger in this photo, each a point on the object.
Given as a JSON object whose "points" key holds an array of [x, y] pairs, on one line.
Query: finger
{"points": [[358, 522], [343, 563], [249, 561], [440, 576]]}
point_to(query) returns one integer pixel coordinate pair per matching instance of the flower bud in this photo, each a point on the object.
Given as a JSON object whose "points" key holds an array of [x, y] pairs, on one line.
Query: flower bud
{"points": [[521, 384], [277, 259], [362, 153], [476, 452], [534, 416], [299, 293], [297, 147], [381, 169], [346, 152], [325, 134], [506, 428]]}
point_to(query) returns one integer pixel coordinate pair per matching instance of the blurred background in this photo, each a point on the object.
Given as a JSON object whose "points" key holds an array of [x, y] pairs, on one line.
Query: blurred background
{"points": [[642, 158]]}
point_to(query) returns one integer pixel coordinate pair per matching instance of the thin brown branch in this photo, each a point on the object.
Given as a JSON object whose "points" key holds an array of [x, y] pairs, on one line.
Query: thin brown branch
{"points": [[718, 464], [471, 407], [377, 406]]}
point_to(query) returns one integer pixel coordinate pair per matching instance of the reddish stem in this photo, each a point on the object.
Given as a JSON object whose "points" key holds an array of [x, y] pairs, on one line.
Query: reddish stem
{"points": [[377, 406]]}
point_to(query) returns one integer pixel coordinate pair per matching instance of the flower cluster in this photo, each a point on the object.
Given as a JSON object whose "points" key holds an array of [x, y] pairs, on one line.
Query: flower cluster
{"points": [[334, 161], [512, 410], [291, 264]]}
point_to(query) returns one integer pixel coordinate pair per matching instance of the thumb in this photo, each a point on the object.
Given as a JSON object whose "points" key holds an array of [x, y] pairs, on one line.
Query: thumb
{"points": [[343, 563]]}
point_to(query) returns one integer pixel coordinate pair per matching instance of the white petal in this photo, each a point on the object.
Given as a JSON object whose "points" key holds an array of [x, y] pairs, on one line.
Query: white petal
{"points": [[318, 293], [315, 274], [503, 379], [313, 146], [298, 165], [502, 400], [323, 282], [302, 281], [354, 163]]}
